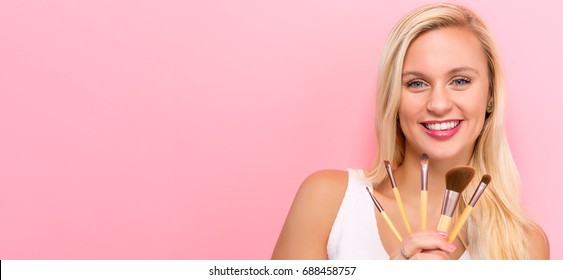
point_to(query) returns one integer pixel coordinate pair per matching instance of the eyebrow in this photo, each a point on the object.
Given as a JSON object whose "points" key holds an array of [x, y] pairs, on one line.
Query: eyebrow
{"points": [[463, 69], [451, 72]]}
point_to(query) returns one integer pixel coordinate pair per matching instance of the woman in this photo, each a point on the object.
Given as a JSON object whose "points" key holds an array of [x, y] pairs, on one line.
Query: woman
{"points": [[440, 92]]}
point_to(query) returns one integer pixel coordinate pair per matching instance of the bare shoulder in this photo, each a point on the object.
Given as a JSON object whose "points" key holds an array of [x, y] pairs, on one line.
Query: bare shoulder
{"points": [[539, 243], [325, 183], [310, 218]]}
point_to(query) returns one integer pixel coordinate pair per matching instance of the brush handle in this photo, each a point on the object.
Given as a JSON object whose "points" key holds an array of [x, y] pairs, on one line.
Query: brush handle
{"points": [[386, 218], [444, 223], [460, 222], [402, 209], [423, 209]]}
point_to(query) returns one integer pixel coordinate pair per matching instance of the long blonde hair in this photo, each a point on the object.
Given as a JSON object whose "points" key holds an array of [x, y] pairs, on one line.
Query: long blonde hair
{"points": [[497, 226]]}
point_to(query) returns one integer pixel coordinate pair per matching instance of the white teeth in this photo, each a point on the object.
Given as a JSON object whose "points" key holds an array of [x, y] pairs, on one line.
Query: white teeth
{"points": [[442, 126]]}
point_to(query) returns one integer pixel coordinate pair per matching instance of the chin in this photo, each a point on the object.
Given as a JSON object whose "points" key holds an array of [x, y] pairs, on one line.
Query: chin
{"points": [[445, 151], [441, 156], [448, 155], [453, 150]]}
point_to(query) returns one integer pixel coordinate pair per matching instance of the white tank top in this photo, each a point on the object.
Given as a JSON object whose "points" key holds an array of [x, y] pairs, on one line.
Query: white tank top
{"points": [[354, 234]]}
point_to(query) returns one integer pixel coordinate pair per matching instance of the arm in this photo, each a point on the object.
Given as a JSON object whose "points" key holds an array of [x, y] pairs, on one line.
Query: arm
{"points": [[425, 245], [539, 243], [308, 224]]}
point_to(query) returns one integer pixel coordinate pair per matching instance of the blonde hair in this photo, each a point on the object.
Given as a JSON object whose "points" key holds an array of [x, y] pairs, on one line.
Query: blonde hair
{"points": [[497, 226]]}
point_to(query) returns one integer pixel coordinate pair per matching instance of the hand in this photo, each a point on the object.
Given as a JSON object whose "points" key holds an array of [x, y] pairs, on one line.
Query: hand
{"points": [[426, 245]]}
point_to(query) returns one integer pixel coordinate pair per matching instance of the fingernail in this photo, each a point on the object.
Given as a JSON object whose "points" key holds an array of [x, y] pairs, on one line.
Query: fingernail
{"points": [[441, 233], [452, 247]]}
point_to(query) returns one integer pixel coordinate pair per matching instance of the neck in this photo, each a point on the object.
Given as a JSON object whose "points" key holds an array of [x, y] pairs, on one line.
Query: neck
{"points": [[408, 176]]}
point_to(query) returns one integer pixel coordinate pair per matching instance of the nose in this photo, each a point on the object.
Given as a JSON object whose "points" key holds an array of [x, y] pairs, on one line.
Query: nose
{"points": [[439, 102]]}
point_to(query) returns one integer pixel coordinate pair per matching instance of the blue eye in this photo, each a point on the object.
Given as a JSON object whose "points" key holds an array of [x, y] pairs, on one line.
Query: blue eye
{"points": [[416, 84], [461, 81]]}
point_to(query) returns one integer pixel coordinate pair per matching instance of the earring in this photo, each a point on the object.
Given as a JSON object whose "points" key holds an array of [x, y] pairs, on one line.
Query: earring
{"points": [[490, 107]]}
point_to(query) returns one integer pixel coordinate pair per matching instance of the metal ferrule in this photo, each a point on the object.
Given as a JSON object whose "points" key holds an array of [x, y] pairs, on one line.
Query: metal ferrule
{"points": [[478, 192], [377, 205], [424, 177], [450, 202], [390, 175]]}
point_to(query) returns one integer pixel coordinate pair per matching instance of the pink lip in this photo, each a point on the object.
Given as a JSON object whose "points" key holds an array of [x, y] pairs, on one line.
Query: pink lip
{"points": [[442, 134]]}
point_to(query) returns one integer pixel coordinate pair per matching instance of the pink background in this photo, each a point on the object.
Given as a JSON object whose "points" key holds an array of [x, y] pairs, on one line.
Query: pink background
{"points": [[174, 130]]}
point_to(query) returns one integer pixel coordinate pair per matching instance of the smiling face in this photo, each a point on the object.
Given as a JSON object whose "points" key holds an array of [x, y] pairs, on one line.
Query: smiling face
{"points": [[445, 90]]}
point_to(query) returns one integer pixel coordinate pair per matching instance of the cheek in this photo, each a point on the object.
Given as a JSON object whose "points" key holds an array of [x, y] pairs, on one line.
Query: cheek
{"points": [[410, 106], [475, 109], [403, 111], [408, 112]]}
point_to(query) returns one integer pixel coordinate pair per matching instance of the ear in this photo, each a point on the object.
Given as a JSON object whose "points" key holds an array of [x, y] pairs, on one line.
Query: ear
{"points": [[490, 107]]}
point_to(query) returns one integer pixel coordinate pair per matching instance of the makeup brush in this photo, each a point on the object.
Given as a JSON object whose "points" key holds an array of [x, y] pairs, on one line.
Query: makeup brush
{"points": [[485, 180], [423, 190], [384, 215], [457, 179], [397, 196]]}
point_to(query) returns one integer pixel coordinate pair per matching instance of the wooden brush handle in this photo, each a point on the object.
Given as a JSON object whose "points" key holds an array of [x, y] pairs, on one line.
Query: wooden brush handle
{"points": [[444, 223], [423, 209], [391, 226], [460, 222], [402, 209]]}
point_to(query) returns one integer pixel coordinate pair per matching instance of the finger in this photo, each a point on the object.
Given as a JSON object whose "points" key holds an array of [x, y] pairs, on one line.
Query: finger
{"points": [[420, 241], [432, 255]]}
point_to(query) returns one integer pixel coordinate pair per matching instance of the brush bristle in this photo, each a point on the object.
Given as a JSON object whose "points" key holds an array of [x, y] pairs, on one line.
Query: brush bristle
{"points": [[457, 178], [424, 159], [486, 179]]}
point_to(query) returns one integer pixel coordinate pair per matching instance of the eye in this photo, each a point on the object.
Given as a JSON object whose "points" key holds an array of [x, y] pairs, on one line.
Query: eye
{"points": [[415, 84], [460, 81]]}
